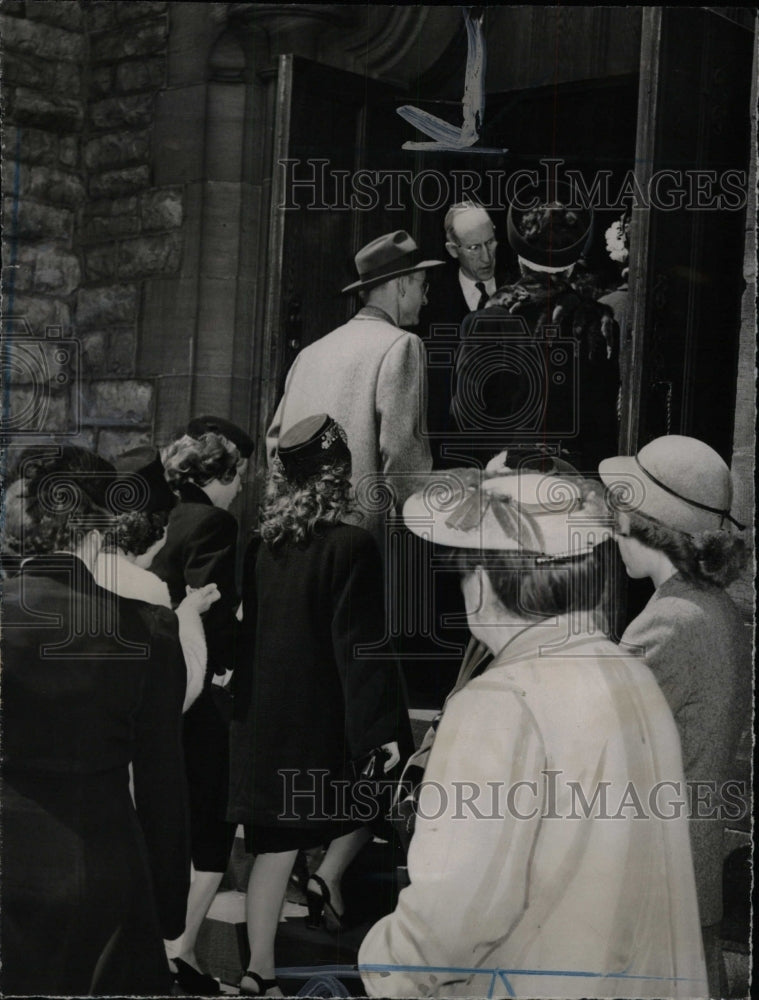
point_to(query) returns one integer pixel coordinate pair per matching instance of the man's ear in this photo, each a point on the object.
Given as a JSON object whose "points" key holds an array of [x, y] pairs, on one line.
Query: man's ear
{"points": [[622, 523], [452, 249]]}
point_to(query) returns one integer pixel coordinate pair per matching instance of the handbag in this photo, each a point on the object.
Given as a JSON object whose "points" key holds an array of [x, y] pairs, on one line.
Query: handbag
{"points": [[404, 806], [373, 787]]}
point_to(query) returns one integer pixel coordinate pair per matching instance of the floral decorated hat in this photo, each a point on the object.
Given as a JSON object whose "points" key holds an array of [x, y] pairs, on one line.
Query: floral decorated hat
{"points": [[311, 444]]}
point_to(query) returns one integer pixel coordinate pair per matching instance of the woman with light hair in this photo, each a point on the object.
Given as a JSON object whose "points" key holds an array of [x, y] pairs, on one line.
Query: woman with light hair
{"points": [[200, 549], [542, 864], [319, 689]]}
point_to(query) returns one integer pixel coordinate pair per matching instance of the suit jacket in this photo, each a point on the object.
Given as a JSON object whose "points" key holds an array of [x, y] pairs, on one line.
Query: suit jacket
{"points": [[369, 376], [695, 642], [442, 318], [200, 548]]}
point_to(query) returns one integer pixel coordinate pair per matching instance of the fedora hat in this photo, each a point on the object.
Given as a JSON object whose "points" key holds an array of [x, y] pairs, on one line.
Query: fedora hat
{"points": [[679, 481], [524, 512], [311, 444], [553, 231], [387, 257]]}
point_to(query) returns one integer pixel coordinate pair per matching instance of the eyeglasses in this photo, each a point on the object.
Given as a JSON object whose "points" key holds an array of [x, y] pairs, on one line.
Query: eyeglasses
{"points": [[475, 248], [425, 285]]}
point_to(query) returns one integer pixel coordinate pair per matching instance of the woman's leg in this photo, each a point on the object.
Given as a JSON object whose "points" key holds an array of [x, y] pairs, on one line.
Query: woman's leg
{"points": [[266, 894], [202, 892], [339, 854]]}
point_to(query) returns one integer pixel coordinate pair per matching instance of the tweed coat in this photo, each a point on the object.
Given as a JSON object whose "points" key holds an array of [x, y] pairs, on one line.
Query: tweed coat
{"points": [[511, 870], [369, 376], [696, 645]]}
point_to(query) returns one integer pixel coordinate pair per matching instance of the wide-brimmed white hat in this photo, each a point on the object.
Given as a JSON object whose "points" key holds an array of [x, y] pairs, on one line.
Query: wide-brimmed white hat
{"points": [[679, 481], [544, 515]]}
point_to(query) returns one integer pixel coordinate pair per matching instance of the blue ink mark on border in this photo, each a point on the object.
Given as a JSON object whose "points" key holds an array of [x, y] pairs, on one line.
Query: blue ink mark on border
{"points": [[503, 973]]}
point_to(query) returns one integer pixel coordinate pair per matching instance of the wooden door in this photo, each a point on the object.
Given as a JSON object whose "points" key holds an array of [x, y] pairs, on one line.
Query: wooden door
{"points": [[686, 275], [329, 125]]}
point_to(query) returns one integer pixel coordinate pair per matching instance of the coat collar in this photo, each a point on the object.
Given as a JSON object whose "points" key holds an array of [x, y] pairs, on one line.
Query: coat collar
{"points": [[63, 567], [190, 493], [528, 640]]}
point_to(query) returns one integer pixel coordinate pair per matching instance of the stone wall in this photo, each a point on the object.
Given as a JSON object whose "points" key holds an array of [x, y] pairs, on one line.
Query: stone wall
{"points": [[84, 225]]}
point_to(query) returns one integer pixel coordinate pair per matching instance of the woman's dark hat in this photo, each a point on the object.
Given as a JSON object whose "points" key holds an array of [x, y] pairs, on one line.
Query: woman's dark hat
{"points": [[218, 425], [311, 444], [554, 231], [142, 483], [388, 257]]}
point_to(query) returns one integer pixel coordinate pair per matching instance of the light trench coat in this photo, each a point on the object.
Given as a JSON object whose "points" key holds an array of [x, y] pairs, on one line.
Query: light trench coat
{"points": [[523, 884]]}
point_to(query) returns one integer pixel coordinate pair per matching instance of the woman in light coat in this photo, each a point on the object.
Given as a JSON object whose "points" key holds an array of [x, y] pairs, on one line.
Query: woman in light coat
{"points": [[541, 864]]}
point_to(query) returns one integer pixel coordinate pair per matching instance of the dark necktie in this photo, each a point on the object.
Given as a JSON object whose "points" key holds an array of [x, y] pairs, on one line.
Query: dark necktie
{"points": [[480, 286]]}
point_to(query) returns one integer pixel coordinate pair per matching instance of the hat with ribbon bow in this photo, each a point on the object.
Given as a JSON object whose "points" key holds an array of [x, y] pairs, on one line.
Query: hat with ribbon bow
{"points": [[542, 515]]}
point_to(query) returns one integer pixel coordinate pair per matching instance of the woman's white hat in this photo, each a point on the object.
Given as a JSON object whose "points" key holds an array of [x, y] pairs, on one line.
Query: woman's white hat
{"points": [[545, 515]]}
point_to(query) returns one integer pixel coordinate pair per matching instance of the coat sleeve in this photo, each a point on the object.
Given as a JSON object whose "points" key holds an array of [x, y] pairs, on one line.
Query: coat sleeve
{"points": [[376, 709], [470, 858], [275, 427], [242, 678], [159, 778], [401, 402], [668, 637], [209, 557]]}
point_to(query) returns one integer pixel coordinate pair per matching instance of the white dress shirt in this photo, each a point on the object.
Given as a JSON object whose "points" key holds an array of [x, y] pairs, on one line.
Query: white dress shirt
{"points": [[471, 292]]}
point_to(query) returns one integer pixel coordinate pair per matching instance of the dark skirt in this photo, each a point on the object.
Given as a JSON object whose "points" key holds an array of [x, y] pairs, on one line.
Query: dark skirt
{"points": [[206, 751], [79, 915], [277, 840]]}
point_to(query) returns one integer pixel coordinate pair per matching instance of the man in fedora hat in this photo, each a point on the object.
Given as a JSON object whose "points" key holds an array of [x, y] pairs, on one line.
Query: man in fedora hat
{"points": [[369, 375], [538, 365]]}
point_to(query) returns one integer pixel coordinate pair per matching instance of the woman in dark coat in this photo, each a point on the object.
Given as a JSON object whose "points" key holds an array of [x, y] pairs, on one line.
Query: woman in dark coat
{"points": [[318, 687], [200, 549], [91, 682]]}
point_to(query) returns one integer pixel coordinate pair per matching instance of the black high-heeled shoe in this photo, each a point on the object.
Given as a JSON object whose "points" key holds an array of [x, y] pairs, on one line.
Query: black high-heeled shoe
{"points": [[320, 909], [262, 984], [197, 984]]}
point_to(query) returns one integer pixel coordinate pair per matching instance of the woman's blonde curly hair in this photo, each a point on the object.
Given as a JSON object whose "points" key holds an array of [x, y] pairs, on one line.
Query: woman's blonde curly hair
{"points": [[294, 513], [200, 460]]}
